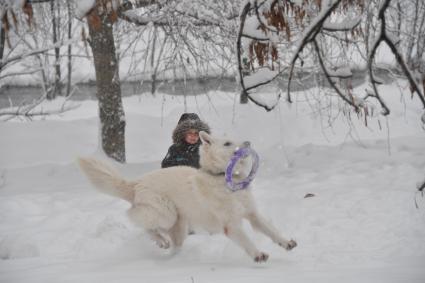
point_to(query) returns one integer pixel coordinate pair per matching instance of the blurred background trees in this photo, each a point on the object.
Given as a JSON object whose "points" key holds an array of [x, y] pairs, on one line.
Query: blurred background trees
{"points": [[268, 46]]}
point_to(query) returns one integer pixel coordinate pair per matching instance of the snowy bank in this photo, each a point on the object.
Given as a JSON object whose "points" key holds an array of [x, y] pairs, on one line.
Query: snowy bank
{"points": [[361, 225]]}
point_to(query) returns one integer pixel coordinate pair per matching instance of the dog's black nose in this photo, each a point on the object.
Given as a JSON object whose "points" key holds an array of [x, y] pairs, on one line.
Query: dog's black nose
{"points": [[246, 144]]}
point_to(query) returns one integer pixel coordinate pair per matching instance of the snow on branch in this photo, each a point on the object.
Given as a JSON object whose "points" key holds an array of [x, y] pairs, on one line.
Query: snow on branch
{"points": [[384, 36], [275, 35], [84, 7], [176, 13], [345, 25], [6, 61], [134, 18], [29, 111], [250, 30], [341, 72], [262, 25], [309, 35], [8, 16], [159, 13], [373, 81], [349, 101], [265, 24], [259, 78]]}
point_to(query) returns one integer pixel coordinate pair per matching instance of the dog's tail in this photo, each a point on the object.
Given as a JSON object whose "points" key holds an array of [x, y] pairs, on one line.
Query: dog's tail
{"points": [[106, 179]]}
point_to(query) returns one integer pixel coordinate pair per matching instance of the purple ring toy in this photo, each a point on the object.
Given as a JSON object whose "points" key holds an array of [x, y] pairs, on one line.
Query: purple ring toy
{"points": [[241, 153]]}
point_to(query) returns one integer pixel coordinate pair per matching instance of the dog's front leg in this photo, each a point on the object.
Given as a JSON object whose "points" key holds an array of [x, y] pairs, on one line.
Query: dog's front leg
{"points": [[260, 224], [236, 234]]}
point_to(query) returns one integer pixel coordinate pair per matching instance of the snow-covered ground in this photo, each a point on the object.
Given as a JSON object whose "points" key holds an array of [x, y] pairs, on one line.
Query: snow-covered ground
{"points": [[362, 225]]}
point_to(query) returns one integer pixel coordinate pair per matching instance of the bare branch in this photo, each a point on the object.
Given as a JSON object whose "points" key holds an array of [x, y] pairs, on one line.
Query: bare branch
{"points": [[162, 15], [20, 73], [6, 61], [245, 89], [38, 1], [421, 187], [405, 69], [309, 35], [383, 37], [386, 110], [27, 111], [331, 82], [244, 13]]}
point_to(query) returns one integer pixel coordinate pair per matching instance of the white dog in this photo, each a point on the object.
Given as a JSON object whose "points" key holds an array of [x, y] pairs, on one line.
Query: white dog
{"points": [[167, 201]]}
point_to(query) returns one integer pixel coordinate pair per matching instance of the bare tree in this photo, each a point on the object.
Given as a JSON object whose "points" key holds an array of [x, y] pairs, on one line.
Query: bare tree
{"points": [[187, 39], [275, 35], [28, 31], [178, 26], [275, 40], [182, 39]]}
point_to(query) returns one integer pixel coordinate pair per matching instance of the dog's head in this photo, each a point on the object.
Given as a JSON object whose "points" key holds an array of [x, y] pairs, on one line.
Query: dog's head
{"points": [[215, 154]]}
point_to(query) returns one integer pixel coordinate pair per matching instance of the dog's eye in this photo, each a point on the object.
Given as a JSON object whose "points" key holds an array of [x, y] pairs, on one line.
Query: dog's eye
{"points": [[227, 144]]}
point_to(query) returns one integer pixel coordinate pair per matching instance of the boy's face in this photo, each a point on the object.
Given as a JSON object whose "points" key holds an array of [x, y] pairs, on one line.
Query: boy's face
{"points": [[191, 136]]}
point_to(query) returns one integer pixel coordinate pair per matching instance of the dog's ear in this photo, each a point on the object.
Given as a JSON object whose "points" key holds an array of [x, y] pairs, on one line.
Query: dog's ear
{"points": [[205, 138]]}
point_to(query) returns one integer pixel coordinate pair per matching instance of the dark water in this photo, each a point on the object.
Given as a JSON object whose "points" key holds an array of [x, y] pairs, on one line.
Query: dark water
{"points": [[20, 95]]}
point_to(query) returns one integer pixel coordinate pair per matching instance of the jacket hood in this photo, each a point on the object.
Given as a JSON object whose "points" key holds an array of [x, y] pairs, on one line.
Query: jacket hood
{"points": [[183, 126]]}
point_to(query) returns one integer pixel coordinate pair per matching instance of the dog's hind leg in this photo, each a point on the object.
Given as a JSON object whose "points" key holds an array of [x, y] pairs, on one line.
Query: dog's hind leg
{"points": [[179, 231], [260, 224], [155, 213], [236, 234]]}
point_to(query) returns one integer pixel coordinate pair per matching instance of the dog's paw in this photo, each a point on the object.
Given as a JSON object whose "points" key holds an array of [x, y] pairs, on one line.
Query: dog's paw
{"points": [[163, 244], [292, 244], [288, 245], [261, 257]]}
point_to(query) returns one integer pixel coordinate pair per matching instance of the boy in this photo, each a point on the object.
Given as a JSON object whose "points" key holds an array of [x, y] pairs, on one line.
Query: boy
{"points": [[185, 148]]}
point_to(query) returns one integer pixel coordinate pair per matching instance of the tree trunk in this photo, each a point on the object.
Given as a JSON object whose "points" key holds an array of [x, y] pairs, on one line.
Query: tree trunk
{"points": [[243, 99], [111, 112], [153, 76], [56, 89], [2, 41], [68, 84]]}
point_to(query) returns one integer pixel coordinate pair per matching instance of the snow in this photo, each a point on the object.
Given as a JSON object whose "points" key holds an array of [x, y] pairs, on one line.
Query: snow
{"points": [[12, 4], [251, 29], [260, 77], [82, 7], [362, 225], [341, 72], [346, 24]]}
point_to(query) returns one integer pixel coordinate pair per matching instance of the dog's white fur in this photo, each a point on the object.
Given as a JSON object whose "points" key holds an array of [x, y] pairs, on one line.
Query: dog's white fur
{"points": [[167, 201]]}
